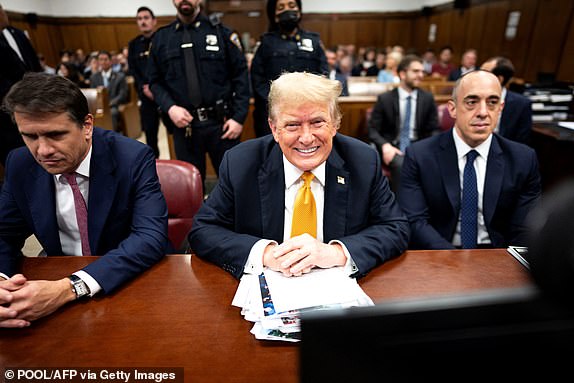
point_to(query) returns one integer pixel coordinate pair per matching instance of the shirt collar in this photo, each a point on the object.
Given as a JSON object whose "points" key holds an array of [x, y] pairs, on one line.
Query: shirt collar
{"points": [[84, 168], [107, 73], [292, 173], [462, 148], [403, 94], [503, 94]]}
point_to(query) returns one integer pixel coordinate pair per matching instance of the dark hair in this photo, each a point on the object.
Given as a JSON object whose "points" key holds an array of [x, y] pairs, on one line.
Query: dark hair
{"points": [[406, 61], [105, 53], [271, 4], [443, 48], [503, 68], [39, 93], [146, 9]]}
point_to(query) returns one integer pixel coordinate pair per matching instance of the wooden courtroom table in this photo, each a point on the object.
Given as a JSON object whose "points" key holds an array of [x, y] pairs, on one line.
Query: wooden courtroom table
{"points": [[179, 314]]}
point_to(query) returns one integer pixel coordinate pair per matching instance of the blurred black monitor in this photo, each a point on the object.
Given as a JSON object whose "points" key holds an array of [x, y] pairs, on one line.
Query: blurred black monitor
{"points": [[487, 336]]}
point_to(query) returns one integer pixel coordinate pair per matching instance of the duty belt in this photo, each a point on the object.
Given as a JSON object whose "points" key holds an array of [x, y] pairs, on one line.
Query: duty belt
{"points": [[217, 112]]}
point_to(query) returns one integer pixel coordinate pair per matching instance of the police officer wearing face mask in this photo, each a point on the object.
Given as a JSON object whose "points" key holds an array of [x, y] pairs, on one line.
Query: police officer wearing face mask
{"points": [[285, 48], [198, 76]]}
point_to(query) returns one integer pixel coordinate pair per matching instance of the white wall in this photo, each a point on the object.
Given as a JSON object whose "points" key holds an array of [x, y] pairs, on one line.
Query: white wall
{"points": [[127, 8]]}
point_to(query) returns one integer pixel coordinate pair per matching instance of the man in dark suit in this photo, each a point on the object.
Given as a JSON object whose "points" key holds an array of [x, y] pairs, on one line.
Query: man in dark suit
{"points": [[247, 221], [81, 191], [500, 176], [389, 128], [17, 57], [467, 64], [115, 82], [516, 119]]}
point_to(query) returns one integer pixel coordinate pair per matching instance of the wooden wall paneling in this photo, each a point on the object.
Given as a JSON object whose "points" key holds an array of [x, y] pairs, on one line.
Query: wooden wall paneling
{"points": [[493, 34], [398, 32], [420, 32], [517, 49], [126, 32], [75, 36], [550, 32], [322, 26], [459, 21], [475, 29], [343, 31], [45, 44], [566, 66], [103, 37], [371, 33], [443, 30]]}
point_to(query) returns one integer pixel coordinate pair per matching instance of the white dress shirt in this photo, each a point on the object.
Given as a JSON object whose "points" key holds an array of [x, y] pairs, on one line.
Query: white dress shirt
{"points": [[293, 183], [66, 216], [403, 94], [12, 42], [480, 168]]}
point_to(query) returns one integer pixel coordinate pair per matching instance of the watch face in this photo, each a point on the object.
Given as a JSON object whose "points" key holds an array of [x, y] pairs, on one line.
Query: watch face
{"points": [[80, 288]]}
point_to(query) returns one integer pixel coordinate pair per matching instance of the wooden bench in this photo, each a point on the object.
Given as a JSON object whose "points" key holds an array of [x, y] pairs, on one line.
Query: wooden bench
{"points": [[99, 106], [130, 123]]}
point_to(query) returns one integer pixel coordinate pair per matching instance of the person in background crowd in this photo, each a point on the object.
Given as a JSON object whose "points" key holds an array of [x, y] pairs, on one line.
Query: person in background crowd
{"points": [[69, 71], [284, 48], [390, 73], [46, 68], [443, 67], [334, 72], [401, 116], [467, 64], [114, 82]]}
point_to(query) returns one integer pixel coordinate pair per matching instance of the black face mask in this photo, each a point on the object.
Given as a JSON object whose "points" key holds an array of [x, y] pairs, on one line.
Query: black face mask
{"points": [[288, 20]]}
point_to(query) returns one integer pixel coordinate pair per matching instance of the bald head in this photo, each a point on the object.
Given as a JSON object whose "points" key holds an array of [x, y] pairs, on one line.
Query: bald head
{"points": [[476, 106]]}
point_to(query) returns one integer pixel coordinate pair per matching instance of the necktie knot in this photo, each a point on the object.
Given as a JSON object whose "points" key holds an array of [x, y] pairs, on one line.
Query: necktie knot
{"points": [[71, 178], [471, 156], [307, 178]]}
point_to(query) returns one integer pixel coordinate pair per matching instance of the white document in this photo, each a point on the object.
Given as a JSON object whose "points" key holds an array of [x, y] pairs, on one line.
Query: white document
{"points": [[320, 287], [567, 124]]}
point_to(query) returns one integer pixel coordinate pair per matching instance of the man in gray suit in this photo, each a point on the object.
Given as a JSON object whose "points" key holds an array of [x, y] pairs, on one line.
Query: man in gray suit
{"points": [[115, 82]]}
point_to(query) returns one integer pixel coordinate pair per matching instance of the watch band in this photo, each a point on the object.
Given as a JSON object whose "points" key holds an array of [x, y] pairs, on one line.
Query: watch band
{"points": [[79, 287]]}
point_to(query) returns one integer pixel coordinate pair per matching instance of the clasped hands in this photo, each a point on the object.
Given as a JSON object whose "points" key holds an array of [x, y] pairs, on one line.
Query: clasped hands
{"points": [[22, 300], [298, 255]]}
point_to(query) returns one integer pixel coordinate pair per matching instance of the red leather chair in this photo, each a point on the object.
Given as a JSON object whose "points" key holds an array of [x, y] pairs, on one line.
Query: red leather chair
{"points": [[182, 187], [445, 121]]}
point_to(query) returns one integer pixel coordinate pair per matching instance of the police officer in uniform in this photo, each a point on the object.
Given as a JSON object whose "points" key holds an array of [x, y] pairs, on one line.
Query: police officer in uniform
{"points": [[198, 75], [285, 48], [138, 53]]}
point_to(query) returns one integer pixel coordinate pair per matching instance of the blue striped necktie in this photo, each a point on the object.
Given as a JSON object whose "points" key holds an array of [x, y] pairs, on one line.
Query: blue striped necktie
{"points": [[469, 211]]}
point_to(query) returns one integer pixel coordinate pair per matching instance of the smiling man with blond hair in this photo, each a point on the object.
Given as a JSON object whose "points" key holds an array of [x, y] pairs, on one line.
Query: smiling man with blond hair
{"points": [[252, 218]]}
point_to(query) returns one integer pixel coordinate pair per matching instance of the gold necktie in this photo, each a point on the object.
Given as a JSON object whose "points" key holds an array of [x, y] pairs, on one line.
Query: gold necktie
{"points": [[304, 210]]}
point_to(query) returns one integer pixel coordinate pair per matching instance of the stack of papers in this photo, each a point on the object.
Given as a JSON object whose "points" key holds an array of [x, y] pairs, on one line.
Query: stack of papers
{"points": [[274, 302]]}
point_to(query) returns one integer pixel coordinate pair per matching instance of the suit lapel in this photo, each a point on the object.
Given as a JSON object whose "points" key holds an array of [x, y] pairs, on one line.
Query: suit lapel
{"points": [[396, 111], [336, 197], [42, 201], [493, 180], [448, 164], [103, 185], [271, 180]]}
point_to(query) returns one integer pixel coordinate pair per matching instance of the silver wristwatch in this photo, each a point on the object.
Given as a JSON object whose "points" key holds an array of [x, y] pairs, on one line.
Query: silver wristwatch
{"points": [[78, 286]]}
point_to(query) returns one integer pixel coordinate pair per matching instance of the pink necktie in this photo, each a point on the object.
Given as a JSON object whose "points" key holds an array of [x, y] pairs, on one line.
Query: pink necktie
{"points": [[81, 212]]}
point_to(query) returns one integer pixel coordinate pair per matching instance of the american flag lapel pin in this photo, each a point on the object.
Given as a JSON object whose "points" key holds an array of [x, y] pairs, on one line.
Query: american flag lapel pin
{"points": [[341, 180]]}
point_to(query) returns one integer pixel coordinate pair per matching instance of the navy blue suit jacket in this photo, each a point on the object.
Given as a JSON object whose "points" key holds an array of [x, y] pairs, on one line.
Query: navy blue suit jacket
{"points": [[516, 119], [127, 213], [248, 204], [430, 191]]}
